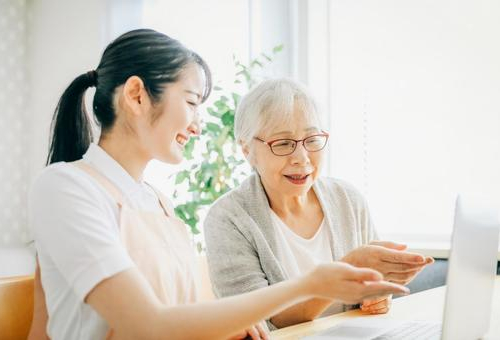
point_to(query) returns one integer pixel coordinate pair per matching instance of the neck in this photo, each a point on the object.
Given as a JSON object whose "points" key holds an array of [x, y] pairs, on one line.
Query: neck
{"points": [[289, 204], [128, 154]]}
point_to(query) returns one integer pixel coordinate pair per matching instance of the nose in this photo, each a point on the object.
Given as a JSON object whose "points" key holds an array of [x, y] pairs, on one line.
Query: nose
{"points": [[195, 127], [300, 155]]}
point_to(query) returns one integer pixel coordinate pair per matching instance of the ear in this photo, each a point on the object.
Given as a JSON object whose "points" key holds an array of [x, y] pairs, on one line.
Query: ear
{"points": [[247, 152], [135, 96]]}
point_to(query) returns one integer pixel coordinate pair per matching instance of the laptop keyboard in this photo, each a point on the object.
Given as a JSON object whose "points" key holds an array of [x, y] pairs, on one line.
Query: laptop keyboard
{"points": [[413, 330]]}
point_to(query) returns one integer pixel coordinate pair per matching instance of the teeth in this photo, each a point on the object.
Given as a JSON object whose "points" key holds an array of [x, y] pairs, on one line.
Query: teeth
{"points": [[180, 140], [298, 177]]}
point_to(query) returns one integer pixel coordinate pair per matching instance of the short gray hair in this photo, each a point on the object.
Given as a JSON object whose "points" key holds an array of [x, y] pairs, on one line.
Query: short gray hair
{"points": [[271, 104]]}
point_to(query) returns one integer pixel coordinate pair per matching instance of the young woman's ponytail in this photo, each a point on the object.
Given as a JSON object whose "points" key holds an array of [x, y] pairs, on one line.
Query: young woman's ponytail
{"points": [[71, 129]]}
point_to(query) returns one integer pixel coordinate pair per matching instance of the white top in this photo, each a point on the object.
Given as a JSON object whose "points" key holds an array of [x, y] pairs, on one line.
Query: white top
{"points": [[299, 255], [75, 226]]}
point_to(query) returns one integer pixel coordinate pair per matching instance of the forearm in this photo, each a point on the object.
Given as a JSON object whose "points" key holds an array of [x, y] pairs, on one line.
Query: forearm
{"points": [[222, 318], [301, 312], [40, 316], [129, 305]]}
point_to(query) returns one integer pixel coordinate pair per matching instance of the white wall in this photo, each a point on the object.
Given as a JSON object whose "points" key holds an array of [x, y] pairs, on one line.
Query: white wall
{"points": [[14, 119], [51, 42], [65, 40]]}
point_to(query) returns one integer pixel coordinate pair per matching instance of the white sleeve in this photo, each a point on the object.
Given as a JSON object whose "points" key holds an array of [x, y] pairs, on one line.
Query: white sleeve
{"points": [[72, 226]]}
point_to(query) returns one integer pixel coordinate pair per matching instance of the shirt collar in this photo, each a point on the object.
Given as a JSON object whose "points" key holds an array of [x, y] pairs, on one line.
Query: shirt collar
{"points": [[106, 165]]}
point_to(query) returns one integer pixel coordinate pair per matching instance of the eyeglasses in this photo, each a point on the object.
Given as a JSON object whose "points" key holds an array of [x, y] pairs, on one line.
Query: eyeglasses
{"points": [[285, 147]]}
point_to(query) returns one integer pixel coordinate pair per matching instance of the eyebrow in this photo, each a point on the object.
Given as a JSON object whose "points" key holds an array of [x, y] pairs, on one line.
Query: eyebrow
{"points": [[193, 92]]}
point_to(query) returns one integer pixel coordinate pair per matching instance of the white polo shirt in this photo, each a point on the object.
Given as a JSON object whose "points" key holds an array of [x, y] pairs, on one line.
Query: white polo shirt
{"points": [[75, 226]]}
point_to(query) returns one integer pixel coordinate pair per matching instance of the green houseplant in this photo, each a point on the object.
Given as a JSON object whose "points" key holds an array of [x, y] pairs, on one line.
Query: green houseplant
{"points": [[220, 166]]}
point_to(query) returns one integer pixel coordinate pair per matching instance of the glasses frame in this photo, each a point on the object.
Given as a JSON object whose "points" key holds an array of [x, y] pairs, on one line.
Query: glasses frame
{"points": [[297, 141]]}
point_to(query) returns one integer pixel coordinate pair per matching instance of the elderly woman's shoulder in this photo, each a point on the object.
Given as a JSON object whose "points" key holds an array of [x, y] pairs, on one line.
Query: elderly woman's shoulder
{"points": [[336, 187], [236, 196]]}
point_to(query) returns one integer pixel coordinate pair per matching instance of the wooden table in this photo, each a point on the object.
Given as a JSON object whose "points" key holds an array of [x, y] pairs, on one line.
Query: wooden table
{"points": [[426, 305]]}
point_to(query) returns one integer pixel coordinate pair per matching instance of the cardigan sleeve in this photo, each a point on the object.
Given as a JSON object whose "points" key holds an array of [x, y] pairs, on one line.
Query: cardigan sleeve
{"points": [[361, 212], [233, 262]]}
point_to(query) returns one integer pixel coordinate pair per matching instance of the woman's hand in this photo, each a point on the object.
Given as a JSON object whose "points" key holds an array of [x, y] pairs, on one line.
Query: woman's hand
{"points": [[256, 332], [390, 259], [343, 282], [377, 306]]}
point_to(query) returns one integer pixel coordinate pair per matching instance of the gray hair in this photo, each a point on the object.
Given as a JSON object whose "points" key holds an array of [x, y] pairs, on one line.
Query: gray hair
{"points": [[271, 104]]}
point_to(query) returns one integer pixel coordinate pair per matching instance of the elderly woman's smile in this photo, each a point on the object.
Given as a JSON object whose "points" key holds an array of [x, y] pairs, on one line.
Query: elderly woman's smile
{"points": [[297, 178]]}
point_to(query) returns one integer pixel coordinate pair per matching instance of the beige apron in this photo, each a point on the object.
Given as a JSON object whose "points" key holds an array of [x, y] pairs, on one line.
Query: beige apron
{"points": [[158, 244]]}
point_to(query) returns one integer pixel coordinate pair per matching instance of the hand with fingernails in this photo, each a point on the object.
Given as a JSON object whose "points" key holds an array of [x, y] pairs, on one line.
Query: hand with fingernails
{"points": [[256, 332], [377, 306], [393, 261]]}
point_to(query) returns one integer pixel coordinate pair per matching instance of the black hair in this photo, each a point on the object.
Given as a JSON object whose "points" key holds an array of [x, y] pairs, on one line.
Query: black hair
{"points": [[152, 56]]}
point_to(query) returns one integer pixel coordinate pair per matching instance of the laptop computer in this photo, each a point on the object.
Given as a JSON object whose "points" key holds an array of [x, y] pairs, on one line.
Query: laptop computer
{"points": [[471, 268]]}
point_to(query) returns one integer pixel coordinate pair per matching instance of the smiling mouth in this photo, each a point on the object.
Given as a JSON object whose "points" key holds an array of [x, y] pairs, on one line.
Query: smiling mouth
{"points": [[181, 140], [297, 179]]}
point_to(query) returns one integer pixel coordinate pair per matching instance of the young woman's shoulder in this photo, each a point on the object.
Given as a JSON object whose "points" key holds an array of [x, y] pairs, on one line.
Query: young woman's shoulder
{"points": [[61, 181]]}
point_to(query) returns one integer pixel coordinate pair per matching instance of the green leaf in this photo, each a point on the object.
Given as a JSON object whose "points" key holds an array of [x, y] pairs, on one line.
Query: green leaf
{"points": [[228, 119], [188, 148], [278, 48], [192, 224], [181, 176], [179, 212], [221, 106], [212, 127], [236, 98]]}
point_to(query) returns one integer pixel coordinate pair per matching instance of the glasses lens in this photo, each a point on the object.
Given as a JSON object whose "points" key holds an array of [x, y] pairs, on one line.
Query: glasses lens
{"points": [[315, 143], [283, 147]]}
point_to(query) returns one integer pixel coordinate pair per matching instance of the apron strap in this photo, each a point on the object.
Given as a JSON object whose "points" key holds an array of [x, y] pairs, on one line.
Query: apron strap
{"points": [[165, 204], [101, 179]]}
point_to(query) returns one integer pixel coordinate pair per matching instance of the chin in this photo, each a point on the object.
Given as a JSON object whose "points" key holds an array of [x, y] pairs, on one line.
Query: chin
{"points": [[171, 157], [300, 190], [175, 158]]}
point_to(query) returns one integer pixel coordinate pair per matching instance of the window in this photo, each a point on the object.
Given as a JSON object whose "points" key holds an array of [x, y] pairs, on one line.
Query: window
{"points": [[414, 115]]}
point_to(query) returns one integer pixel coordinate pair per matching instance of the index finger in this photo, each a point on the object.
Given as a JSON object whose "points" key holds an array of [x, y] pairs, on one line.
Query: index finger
{"points": [[394, 256], [253, 333], [373, 290], [262, 331]]}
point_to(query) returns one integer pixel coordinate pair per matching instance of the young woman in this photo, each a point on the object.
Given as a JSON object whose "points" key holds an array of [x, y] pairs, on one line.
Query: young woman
{"points": [[114, 260]]}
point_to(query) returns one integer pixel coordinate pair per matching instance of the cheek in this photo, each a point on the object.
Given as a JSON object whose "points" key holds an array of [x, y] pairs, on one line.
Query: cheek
{"points": [[317, 162], [170, 123], [180, 118], [269, 166]]}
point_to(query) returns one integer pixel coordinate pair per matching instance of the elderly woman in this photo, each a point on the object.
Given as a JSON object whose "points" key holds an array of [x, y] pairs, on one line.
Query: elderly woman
{"points": [[285, 218]]}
